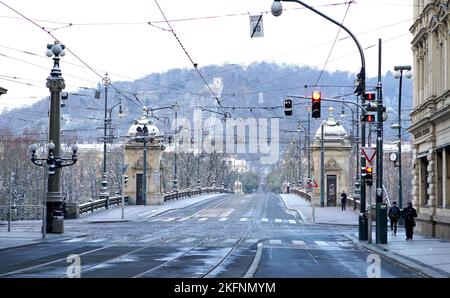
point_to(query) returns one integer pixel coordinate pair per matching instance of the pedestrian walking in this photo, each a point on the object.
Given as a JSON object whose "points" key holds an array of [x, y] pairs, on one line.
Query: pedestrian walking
{"points": [[408, 214], [343, 200], [394, 214]]}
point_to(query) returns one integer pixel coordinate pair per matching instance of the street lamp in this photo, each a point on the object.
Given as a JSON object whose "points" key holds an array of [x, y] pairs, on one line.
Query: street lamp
{"points": [[360, 89], [176, 109], [55, 83], [52, 163], [399, 75], [104, 193]]}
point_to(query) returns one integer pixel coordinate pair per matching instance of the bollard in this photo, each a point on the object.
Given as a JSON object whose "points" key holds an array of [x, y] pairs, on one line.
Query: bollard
{"points": [[58, 222]]}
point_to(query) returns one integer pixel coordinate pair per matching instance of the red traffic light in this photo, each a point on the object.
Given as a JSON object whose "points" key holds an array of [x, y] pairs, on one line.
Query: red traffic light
{"points": [[369, 96], [369, 118]]}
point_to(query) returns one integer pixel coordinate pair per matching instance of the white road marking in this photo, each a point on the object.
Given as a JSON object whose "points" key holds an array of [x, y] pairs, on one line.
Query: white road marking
{"points": [[183, 219], [321, 243], [168, 219], [244, 219], [188, 240], [273, 241], [264, 219], [298, 242], [277, 220], [291, 221], [75, 240], [98, 240], [345, 244], [203, 219], [143, 214], [251, 240], [223, 219], [148, 239]]}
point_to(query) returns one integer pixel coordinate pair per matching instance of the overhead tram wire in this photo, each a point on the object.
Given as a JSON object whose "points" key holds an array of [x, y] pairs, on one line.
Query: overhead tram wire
{"points": [[195, 65], [334, 43], [66, 48]]}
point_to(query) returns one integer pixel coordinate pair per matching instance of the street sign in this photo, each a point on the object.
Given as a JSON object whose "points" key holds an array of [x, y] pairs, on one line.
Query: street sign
{"points": [[256, 26], [155, 174], [315, 184], [369, 153]]}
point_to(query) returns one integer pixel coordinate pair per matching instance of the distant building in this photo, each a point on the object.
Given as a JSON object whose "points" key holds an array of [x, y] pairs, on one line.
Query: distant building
{"points": [[337, 150], [430, 118]]}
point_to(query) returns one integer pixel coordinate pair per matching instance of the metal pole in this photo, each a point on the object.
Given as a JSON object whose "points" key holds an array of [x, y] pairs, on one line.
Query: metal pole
{"points": [[10, 199], [44, 209], [358, 168], [104, 190], [309, 143], [300, 173], [144, 183], [400, 180], [175, 181], [322, 166], [381, 236]]}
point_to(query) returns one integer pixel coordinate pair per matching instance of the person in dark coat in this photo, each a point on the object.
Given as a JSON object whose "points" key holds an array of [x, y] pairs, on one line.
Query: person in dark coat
{"points": [[394, 215], [408, 214], [343, 200]]}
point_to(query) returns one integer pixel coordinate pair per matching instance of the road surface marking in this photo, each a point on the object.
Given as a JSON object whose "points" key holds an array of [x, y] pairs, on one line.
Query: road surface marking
{"points": [[251, 240], [273, 241], [244, 219], [298, 242], [321, 243], [98, 240], [230, 240], [223, 219], [183, 219], [264, 219], [277, 220], [168, 219], [189, 240], [345, 244], [143, 214], [75, 240], [148, 239], [203, 219], [291, 221]]}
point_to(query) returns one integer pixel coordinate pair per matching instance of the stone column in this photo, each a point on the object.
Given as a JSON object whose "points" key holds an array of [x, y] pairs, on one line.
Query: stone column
{"points": [[431, 170], [415, 180]]}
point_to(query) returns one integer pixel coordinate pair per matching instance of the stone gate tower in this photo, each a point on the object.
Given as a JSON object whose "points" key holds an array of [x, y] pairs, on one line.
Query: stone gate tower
{"points": [[134, 163], [336, 161]]}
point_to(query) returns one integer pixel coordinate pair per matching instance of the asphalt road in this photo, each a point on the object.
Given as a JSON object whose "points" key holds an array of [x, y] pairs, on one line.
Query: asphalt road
{"points": [[217, 237]]}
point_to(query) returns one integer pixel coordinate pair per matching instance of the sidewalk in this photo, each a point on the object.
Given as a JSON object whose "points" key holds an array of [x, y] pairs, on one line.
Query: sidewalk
{"points": [[430, 257], [323, 215], [22, 238], [28, 232], [133, 213]]}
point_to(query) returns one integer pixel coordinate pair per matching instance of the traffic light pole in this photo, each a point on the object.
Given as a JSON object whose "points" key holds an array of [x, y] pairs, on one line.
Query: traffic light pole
{"points": [[381, 228], [359, 91]]}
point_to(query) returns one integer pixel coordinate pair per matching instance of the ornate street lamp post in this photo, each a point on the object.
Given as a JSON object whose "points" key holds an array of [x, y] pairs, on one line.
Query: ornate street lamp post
{"points": [[176, 109], [104, 193], [55, 83], [399, 75]]}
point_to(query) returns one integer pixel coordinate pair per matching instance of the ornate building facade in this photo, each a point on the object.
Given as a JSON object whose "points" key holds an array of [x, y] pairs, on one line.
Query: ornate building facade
{"points": [[430, 123]]}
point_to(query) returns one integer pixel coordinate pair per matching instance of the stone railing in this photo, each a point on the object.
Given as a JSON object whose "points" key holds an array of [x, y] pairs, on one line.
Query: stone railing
{"points": [[21, 212], [189, 193], [351, 201], [94, 205]]}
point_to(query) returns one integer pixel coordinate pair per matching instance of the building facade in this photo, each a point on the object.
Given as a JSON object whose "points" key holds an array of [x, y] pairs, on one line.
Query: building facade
{"points": [[337, 155], [430, 117]]}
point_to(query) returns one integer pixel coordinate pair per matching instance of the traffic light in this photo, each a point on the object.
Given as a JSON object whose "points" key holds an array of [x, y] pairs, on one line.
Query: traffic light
{"points": [[368, 118], [370, 96], [316, 98], [125, 180], [288, 107], [369, 171]]}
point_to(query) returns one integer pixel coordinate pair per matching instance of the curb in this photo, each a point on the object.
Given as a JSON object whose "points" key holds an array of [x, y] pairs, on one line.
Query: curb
{"points": [[255, 264], [109, 221], [302, 216], [399, 260], [41, 241]]}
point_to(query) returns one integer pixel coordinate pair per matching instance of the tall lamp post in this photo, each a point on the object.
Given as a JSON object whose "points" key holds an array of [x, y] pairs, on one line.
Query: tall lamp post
{"points": [[176, 109], [55, 83], [104, 191], [399, 75], [360, 89]]}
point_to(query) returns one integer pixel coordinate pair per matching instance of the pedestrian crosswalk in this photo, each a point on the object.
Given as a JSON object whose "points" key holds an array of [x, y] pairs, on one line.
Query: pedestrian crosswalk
{"points": [[223, 219], [284, 243]]}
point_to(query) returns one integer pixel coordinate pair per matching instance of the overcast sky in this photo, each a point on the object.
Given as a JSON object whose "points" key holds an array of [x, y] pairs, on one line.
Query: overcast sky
{"points": [[114, 36]]}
